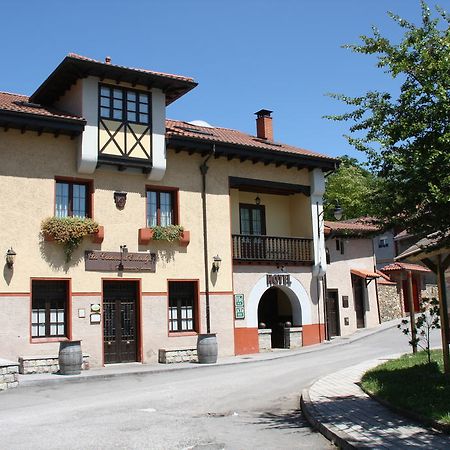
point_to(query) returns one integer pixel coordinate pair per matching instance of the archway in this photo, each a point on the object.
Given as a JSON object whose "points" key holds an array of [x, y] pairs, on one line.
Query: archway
{"points": [[275, 312]]}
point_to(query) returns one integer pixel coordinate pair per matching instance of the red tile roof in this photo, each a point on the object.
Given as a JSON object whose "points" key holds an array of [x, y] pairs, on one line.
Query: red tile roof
{"points": [[399, 266], [351, 226], [20, 104], [176, 128], [163, 74], [364, 273]]}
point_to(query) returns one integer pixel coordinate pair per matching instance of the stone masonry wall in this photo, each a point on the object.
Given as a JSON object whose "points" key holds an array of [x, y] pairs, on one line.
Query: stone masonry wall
{"points": [[44, 364], [9, 375], [390, 302]]}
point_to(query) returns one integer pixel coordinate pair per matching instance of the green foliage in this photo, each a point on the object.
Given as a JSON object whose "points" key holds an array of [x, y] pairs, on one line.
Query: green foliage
{"points": [[427, 320], [352, 186], [406, 136], [169, 233], [68, 231], [413, 385]]}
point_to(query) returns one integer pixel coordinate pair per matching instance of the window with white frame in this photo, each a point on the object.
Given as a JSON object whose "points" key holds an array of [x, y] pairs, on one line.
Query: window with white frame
{"points": [[183, 299]]}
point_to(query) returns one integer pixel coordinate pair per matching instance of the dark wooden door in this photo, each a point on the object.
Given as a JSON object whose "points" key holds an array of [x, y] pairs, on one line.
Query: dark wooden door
{"points": [[358, 292], [120, 321], [333, 313]]}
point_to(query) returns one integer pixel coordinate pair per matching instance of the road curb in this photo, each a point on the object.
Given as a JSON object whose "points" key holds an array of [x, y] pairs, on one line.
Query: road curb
{"points": [[336, 436]]}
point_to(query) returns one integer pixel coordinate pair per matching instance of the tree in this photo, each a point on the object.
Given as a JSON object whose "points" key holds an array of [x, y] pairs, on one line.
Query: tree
{"points": [[351, 186], [407, 137]]}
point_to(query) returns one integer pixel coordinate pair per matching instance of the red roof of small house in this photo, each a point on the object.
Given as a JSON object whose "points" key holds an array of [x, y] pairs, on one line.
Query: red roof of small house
{"points": [[177, 128], [384, 279], [21, 104], [364, 273], [400, 266], [350, 227]]}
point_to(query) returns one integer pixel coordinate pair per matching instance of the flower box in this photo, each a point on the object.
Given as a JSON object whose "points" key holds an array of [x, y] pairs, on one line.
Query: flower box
{"points": [[145, 235]]}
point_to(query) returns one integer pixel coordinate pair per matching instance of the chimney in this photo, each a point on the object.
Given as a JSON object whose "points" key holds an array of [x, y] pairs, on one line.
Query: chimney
{"points": [[108, 60], [264, 124]]}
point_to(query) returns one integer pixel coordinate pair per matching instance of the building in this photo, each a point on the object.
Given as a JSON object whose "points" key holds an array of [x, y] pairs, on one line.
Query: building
{"points": [[350, 283], [93, 141]]}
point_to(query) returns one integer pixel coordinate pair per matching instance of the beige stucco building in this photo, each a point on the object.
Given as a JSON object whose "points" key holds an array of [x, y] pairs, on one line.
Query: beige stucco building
{"points": [[93, 141]]}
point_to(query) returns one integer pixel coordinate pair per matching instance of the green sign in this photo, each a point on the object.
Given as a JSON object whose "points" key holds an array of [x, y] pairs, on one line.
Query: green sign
{"points": [[239, 306]]}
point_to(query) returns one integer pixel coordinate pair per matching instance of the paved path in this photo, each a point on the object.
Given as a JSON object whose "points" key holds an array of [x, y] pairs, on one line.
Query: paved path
{"points": [[350, 418]]}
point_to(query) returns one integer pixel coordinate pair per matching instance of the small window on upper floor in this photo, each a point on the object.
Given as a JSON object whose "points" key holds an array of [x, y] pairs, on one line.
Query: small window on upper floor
{"points": [[124, 105], [340, 245], [72, 199], [161, 207], [383, 242]]}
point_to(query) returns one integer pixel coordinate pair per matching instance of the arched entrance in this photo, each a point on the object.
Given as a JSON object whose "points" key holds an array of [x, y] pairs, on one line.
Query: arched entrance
{"points": [[275, 313]]}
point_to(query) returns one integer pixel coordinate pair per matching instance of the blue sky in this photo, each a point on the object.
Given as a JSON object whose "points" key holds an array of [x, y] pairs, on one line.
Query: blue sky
{"points": [[283, 55]]}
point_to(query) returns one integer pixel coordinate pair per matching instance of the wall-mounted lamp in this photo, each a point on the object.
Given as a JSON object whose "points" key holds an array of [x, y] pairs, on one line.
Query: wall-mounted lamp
{"points": [[338, 211], [10, 258], [257, 200], [216, 263], [123, 249]]}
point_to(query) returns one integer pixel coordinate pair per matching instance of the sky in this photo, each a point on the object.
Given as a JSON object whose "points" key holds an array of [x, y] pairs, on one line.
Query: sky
{"points": [[281, 55]]}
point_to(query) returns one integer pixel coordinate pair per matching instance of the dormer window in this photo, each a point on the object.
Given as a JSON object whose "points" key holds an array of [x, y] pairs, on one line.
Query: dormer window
{"points": [[124, 105]]}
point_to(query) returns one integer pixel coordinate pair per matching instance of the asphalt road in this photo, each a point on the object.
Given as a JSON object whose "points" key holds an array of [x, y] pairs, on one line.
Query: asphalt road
{"points": [[242, 406]]}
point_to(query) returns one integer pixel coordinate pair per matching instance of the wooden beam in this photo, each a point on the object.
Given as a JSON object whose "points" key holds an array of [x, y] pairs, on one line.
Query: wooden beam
{"points": [[430, 264], [446, 262]]}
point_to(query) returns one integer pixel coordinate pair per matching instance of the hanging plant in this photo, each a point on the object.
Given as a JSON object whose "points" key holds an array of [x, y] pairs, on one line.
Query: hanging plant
{"points": [[169, 233], [68, 231]]}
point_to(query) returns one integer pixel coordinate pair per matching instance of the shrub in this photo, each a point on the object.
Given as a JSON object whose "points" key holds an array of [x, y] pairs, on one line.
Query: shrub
{"points": [[169, 233]]}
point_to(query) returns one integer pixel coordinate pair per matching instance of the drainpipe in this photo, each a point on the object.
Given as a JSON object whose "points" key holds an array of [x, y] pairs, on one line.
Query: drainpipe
{"points": [[204, 170]]}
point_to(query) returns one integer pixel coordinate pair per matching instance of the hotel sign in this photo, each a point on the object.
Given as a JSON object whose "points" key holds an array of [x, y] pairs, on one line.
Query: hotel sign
{"points": [[278, 279], [95, 260]]}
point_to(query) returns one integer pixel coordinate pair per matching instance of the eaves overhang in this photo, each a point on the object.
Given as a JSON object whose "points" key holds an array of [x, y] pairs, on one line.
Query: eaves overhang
{"points": [[73, 68], [41, 124], [247, 153]]}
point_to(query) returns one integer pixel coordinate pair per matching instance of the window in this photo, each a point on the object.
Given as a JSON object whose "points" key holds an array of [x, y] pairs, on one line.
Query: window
{"points": [[161, 208], [49, 303], [253, 219], [183, 299], [124, 105], [340, 245], [383, 242], [72, 199]]}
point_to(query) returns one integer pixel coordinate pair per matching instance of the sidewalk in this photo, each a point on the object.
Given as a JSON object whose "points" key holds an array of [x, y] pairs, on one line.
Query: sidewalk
{"points": [[117, 370], [342, 412]]}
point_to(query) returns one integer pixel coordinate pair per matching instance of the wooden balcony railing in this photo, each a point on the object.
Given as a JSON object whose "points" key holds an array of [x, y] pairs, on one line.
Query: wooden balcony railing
{"points": [[272, 249]]}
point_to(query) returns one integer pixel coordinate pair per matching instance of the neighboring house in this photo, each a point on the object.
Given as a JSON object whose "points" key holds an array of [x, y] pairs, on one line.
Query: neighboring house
{"points": [[384, 247], [93, 141], [398, 273], [351, 278]]}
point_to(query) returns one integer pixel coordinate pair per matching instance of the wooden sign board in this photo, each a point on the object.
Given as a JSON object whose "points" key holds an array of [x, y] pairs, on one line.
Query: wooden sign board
{"points": [[95, 260]]}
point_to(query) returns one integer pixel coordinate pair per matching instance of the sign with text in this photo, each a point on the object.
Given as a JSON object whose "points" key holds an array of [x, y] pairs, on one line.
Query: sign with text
{"points": [[95, 260], [239, 306], [278, 279]]}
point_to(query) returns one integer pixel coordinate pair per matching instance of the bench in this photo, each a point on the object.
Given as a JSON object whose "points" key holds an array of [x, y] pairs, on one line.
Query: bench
{"points": [[9, 374], [44, 364], [169, 356]]}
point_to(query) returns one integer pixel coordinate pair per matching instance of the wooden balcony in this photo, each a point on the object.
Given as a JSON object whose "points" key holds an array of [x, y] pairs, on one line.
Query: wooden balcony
{"points": [[272, 249]]}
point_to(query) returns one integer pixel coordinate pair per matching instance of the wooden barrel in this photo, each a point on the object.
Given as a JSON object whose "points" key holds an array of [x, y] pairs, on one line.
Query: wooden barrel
{"points": [[207, 348], [70, 357]]}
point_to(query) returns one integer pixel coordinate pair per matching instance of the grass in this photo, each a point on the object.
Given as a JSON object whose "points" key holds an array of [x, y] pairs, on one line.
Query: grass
{"points": [[414, 385]]}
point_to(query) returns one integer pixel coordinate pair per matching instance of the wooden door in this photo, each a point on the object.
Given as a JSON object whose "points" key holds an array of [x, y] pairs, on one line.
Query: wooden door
{"points": [[120, 321], [333, 313], [358, 296]]}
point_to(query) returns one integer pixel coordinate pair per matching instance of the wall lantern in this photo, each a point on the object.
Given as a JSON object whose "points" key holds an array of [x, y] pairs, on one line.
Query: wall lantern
{"points": [[10, 258], [257, 200], [216, 263], [123, 249], [338, 211]]}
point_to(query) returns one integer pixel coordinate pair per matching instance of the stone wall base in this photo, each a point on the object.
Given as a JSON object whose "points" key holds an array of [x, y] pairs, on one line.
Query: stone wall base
{"points": [[44, 364], [9, 375], [166, 356]]}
